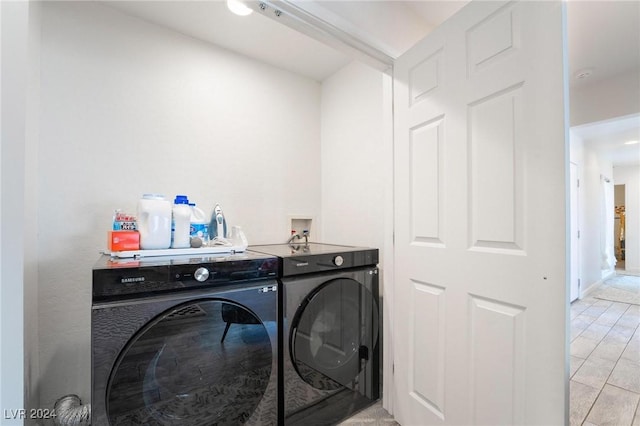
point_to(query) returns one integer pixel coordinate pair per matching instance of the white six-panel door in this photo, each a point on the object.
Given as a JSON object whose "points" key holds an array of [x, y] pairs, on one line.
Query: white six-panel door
{"points": [[479, 332]]}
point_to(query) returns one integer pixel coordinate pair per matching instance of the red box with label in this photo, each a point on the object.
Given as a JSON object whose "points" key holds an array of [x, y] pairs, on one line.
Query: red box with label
{"points": [[123, 240]]}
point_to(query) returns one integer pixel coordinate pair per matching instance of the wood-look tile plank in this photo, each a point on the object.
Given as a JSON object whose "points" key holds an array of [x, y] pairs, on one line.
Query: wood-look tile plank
{"points": [[614, 407], [582, 347], [581, 398], [596, 331], [575, 364], [594, 372], [626, 375], [608, 351]]}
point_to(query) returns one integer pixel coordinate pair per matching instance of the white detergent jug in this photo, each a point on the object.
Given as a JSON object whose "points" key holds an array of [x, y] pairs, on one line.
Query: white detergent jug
{"points": [[180, 222], [154, 222]]}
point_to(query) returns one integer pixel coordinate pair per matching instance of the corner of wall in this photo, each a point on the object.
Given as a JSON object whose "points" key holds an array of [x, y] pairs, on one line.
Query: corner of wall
{"points": [[31, 280]]}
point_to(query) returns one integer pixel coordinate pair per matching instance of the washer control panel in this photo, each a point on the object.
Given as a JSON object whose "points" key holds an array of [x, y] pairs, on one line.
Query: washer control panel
{"points": [[113, 279]]}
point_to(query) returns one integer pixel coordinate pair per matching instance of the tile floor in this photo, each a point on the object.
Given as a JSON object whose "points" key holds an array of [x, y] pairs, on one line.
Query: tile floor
{"points": [[374, 415], [605, 357]]}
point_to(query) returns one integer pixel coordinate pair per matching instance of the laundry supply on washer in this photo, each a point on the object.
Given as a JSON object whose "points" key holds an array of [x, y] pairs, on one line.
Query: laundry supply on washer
{"points": [[154, 222], [124, 221], [199, 224], [123, 240], [180, 222], [160, 225], [123, 234], [218, 225], [238, 238]]}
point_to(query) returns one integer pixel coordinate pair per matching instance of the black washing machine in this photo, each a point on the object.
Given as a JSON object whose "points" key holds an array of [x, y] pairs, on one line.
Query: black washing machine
{"points": [[329, 329], [185, 341]]}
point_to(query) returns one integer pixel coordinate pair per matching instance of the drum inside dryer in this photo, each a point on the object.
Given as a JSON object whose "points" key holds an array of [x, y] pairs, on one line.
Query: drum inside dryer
{"points": [[331, 334]]}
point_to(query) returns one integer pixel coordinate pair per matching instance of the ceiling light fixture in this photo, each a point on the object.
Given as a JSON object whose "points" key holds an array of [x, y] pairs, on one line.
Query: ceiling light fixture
{"points": [[631, 143], [239, 8]]}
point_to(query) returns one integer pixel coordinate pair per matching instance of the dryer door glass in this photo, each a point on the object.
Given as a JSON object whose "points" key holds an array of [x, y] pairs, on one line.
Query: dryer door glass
{"points": [[205, 362], [334, 333]]}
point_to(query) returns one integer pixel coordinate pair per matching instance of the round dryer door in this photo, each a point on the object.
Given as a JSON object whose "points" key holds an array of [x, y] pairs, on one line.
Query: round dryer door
{"points": [[334, 333], [204, 362]]}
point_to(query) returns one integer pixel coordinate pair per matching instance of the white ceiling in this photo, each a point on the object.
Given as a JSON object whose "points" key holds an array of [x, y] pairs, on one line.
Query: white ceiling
{"points": [[391, 26], [609, 138], [254, 36], [603, 36]]}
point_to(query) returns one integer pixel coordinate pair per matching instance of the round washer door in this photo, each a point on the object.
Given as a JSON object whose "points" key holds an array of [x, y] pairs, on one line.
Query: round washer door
{"points": [[333, 334], [182, 368]]}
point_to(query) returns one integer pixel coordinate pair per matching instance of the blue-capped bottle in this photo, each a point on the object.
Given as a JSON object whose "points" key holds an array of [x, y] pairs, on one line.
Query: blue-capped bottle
{"points": [[199, 224], [181, 218]]}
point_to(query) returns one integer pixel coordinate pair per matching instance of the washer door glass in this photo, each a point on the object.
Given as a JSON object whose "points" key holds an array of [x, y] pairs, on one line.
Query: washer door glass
{"points": [[183, 368], [334, 333]]}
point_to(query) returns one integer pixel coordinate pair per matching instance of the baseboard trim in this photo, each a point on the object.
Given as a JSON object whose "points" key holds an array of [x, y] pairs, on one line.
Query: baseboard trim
{"points": [[586, 292], [633, 271]]}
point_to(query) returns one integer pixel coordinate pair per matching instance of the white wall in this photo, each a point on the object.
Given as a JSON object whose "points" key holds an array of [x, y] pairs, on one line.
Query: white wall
{"points": [[629, 176], [590, 167], [357, 175], [599, 101], [353, 148], [129, 107], [611, 98], [31, 337]]}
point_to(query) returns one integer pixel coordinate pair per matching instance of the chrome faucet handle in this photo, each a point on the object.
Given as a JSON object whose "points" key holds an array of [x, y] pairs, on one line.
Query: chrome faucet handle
{"points": [[293, 237]]}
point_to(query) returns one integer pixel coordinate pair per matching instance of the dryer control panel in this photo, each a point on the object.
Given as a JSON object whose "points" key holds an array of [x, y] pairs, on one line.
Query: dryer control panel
{"points": [[309, 258]]}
